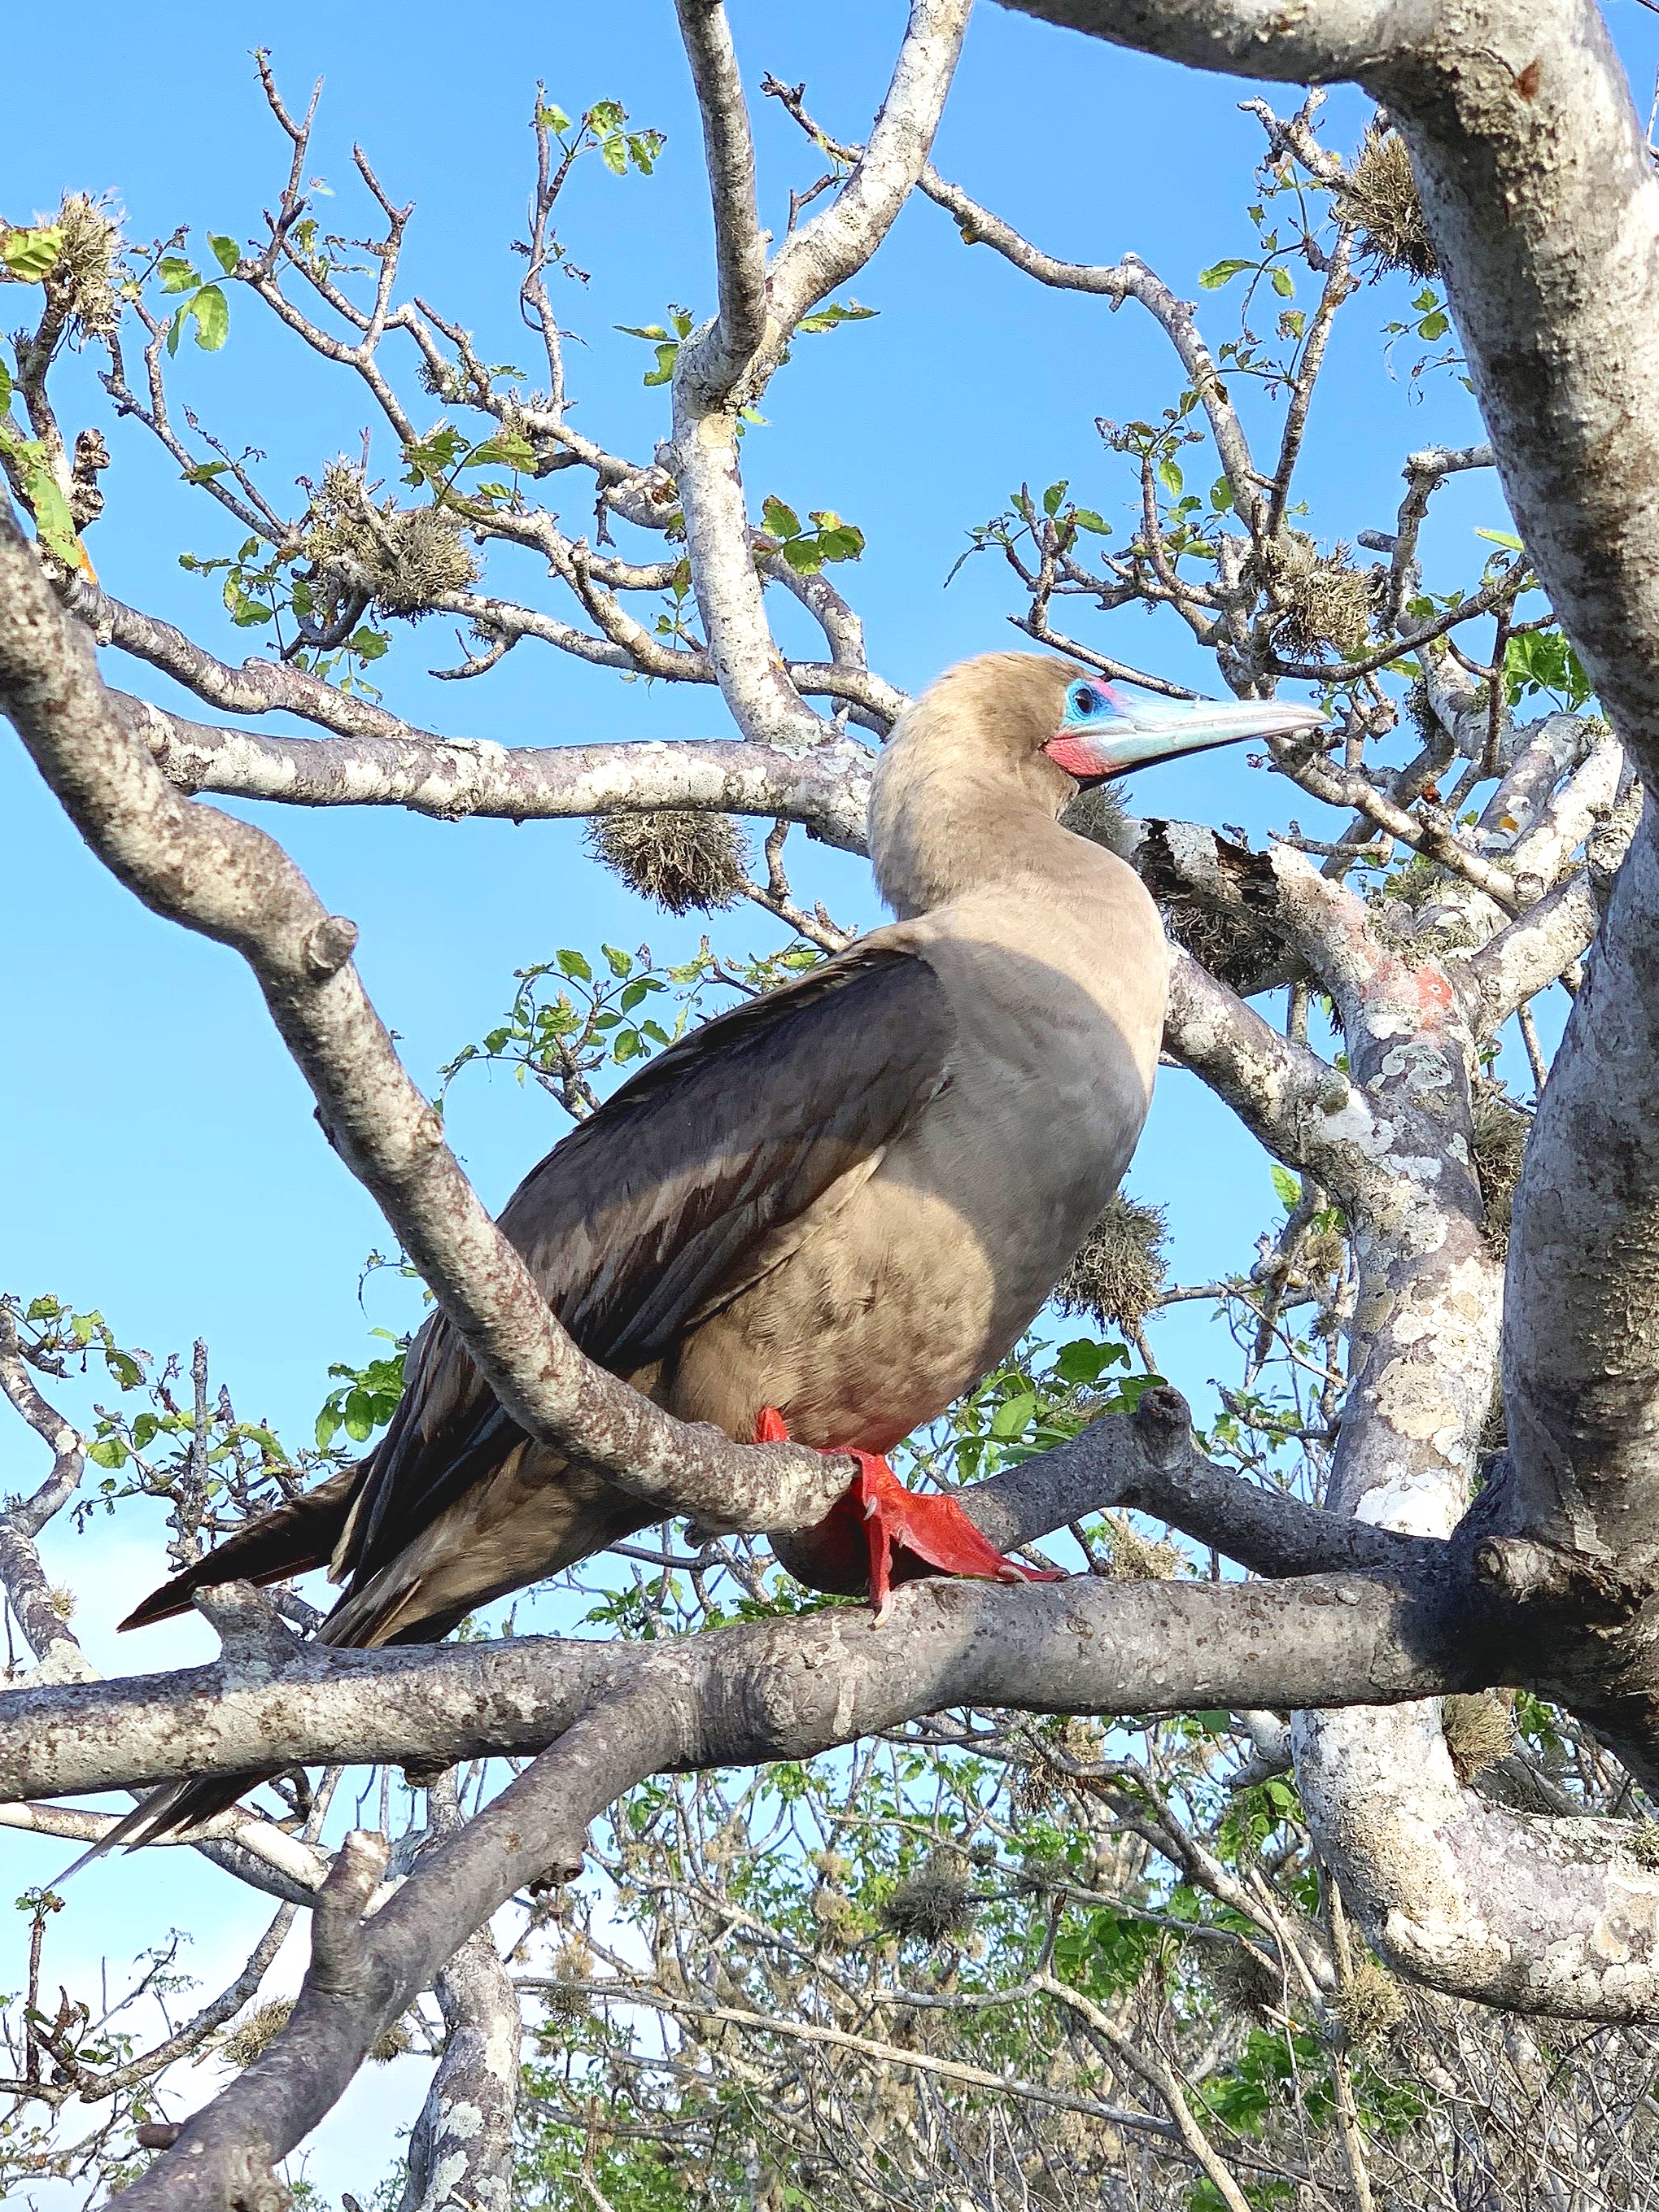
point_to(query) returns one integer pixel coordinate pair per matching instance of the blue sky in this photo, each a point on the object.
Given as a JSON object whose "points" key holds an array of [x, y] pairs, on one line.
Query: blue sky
{"points": [[161, 1159]]}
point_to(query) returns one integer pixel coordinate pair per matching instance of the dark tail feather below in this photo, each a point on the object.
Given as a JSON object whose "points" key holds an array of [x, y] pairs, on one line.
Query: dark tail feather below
{"points": [[293, 1540], [172, 1810]]}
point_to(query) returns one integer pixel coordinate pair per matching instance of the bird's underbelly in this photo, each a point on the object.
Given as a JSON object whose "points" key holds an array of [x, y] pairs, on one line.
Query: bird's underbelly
{"points": [[891, 1298]]}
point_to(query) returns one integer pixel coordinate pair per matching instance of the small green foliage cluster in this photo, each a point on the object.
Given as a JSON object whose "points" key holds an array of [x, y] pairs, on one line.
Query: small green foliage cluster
{"points": [[591, 1021], [29, 256], [1037, 1399], [202, 300], [806, 551], [364, 1398], [668, 338], [602, 128]]}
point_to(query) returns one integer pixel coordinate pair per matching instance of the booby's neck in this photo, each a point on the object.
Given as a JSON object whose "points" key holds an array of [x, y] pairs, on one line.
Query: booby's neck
{"points": [[943, 826]]}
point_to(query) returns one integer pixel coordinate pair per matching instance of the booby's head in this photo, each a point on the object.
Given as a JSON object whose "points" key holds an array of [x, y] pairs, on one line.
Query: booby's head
{"points": [[1009, 735]]}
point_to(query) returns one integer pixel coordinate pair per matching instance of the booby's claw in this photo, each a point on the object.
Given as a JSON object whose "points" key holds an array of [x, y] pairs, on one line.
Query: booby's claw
{"points": [[909, 1534]]}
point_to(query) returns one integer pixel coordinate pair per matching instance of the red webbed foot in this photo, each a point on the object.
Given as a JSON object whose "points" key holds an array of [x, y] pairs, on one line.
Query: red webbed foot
{"points": [[903, 1533]]}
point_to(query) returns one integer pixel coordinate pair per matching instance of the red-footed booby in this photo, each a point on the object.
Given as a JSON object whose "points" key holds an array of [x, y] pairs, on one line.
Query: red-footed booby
{"points": [[825, 1214]]}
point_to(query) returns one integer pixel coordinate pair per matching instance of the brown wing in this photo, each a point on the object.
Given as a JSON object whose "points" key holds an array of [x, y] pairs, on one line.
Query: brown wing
{"points": [[641, 1221], [644, 1218]]}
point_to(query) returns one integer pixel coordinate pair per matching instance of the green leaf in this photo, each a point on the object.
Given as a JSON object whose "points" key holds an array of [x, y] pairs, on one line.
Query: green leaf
{"points": [[1053, 497], [1221, 496], [620, 964], [573, 964], [826, 317], [177, 274], [1433, 326], [1169, 475], [1220, 273], [225, 252], [1284, 283], [554, 119], [212, 314], [507, 449], [359, 1416], [1013, 1418], [1085, 1361], [31, 254], [1286, 1185], [108, 1451], [780, 521], [1504, 538]]}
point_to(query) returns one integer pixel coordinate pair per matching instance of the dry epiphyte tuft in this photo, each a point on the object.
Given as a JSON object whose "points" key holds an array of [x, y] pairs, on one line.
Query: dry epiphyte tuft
{"points": [[840, 1923], [1098, 814], [1418, 911], [1480, 1731], [1323, 1255], [404, 559], [89, 258], [1330, 605], [572, 1965], [678, 860], [1240, 1978], [1230, 946], [933, 1904], [1499, 1144], [1120, 1270], [251, 2038], [1133, 1558], [1373, 2005], [1380, 194]]}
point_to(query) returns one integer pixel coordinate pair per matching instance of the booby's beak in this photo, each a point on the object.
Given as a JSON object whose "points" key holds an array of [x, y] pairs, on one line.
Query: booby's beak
{"points": [[1107, 732]]}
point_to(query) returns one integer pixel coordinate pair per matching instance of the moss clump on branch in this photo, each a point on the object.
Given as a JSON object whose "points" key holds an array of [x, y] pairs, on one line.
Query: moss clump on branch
{"points": [[1098, 814], [405, 559], [1372, 2006], [88, 257], [1133, 1558], [1499, 1145], [678, 860], [1240, 1980], [251, 2038], [1380, 194], [1480, 1731], [1119, 1273], [932, 1905], [572, 1965], [1330, 606], [1232, 948]]}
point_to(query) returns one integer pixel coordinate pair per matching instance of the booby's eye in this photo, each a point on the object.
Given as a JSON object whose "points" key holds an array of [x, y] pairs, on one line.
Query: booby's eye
{"points": [[1083, 700]]}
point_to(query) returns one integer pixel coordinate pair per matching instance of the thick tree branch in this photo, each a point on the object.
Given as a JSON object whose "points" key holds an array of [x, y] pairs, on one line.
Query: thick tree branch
{"points": [[724, 351], [1581, 1380], [827, 789]]}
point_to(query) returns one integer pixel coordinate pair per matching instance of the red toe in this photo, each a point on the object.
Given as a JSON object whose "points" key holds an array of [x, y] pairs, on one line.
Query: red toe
{"points": [[904, 1534]]}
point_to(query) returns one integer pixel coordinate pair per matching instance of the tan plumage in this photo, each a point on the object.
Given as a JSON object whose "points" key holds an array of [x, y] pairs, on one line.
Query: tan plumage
{"points": [[845, 1199]]}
